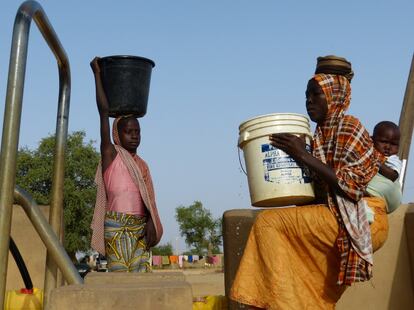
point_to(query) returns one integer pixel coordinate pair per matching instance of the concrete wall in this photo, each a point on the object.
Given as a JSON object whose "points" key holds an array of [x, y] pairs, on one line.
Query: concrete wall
{"points": [[391, 286], [31, 248], [110, 291]]}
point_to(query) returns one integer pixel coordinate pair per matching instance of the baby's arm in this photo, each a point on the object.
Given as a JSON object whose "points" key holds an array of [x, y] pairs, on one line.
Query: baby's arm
{"points": [[108, 151], [388, 172]]}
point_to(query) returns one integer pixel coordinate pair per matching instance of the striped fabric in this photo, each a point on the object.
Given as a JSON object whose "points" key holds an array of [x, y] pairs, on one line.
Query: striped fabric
{"points": [[125, 244], [142, 179], [344, 144]]}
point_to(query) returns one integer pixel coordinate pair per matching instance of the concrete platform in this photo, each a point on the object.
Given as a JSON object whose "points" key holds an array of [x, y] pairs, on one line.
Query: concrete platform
{"points": [[107, 291], [133, 278]]}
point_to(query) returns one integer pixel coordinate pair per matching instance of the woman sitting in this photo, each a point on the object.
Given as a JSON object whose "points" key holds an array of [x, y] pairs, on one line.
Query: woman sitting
{"points": [[303, 257]]}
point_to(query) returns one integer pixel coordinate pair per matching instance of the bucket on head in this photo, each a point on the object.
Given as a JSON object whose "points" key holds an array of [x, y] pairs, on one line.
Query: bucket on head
{"points": [[126, 81], [274, 178]]}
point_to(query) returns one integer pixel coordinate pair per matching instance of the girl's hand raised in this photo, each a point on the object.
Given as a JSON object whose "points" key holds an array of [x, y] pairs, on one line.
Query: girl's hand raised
{"points": [[101, 99], [95, 65]]}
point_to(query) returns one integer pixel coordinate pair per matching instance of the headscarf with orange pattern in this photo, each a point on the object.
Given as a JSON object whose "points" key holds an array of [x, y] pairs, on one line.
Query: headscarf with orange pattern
{"points": [[343, 143]]}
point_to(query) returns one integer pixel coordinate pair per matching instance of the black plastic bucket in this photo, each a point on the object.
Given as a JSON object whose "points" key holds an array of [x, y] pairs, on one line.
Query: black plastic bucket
{"points": [[126, 81]]}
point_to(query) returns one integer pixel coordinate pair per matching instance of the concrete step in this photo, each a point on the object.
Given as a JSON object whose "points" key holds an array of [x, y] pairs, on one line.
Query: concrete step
{"points": [[112, 291], [132, 277]]}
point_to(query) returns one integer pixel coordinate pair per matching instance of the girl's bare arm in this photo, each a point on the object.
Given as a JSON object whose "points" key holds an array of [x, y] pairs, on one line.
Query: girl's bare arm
{"points": [[108, 151]]}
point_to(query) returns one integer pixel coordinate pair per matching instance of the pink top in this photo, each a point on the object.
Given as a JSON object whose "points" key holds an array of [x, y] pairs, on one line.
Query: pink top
{"points": [[123, 196]]}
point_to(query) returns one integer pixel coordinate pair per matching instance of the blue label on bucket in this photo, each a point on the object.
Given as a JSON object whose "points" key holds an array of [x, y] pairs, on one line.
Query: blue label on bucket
{"points": [[280, 168]]}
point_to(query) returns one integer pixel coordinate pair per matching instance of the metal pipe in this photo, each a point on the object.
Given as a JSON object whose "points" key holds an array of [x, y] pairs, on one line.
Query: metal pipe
{"points": [[12, 115], [48, 236], [56, 202], [406, 122], [10, 136]]}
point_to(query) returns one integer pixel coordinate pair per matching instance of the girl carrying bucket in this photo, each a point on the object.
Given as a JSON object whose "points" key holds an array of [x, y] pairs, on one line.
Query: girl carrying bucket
{"points": [[125, 222]]}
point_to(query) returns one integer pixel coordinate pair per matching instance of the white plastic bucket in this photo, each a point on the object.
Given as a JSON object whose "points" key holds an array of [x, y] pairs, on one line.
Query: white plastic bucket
{"points": [[274, 178]]}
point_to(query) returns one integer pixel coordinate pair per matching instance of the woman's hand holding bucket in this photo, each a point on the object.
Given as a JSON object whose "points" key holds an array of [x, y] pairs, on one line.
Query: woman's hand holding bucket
{"points": [[291, 144]]}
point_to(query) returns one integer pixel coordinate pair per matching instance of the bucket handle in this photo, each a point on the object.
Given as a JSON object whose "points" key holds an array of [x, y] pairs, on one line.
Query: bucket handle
{"points": [[240, 162]]}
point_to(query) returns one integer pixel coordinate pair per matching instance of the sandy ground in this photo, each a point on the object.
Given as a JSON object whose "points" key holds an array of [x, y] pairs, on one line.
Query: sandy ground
{"points": [[205, 282]]}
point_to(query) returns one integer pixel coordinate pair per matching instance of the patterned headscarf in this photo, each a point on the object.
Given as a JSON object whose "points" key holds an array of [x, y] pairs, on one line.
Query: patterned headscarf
{"points": [[344, 144]]}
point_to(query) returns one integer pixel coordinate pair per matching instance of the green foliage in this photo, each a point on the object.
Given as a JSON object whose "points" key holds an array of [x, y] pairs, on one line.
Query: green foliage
{"points": [[199, 228], [163, 249], [34, 174]]}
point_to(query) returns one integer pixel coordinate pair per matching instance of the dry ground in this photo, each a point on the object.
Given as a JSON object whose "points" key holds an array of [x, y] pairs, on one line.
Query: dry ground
{"points": [[205, 282]]}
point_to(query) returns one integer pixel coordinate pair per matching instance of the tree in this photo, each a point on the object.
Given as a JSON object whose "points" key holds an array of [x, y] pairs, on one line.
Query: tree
{"points": [[200, 229], [34, 174], [163, 249]]}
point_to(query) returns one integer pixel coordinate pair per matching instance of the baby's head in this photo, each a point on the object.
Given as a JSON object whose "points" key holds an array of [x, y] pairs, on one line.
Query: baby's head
{"points": [[386, 138], [128, 133]]}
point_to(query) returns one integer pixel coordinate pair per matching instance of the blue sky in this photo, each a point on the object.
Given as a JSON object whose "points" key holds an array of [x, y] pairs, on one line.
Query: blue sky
{"points": [[218, 63]]}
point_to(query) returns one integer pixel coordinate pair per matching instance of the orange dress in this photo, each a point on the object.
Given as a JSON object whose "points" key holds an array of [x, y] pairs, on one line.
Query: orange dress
{"points": [[291, 260]]}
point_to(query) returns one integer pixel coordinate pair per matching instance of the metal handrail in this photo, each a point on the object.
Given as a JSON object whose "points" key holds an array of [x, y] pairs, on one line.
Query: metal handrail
{"points": [[28, 11], [48, 236]]}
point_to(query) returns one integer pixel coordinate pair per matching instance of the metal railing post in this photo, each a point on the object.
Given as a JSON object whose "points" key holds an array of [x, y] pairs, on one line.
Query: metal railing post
{"points": [[56, 202], [11, 125], [406, 122]]}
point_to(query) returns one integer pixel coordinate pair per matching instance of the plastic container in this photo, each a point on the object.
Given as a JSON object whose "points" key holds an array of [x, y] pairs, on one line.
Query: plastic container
{"points": [[274, 178], [126, 81], [23, 299], [211, 302]]}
